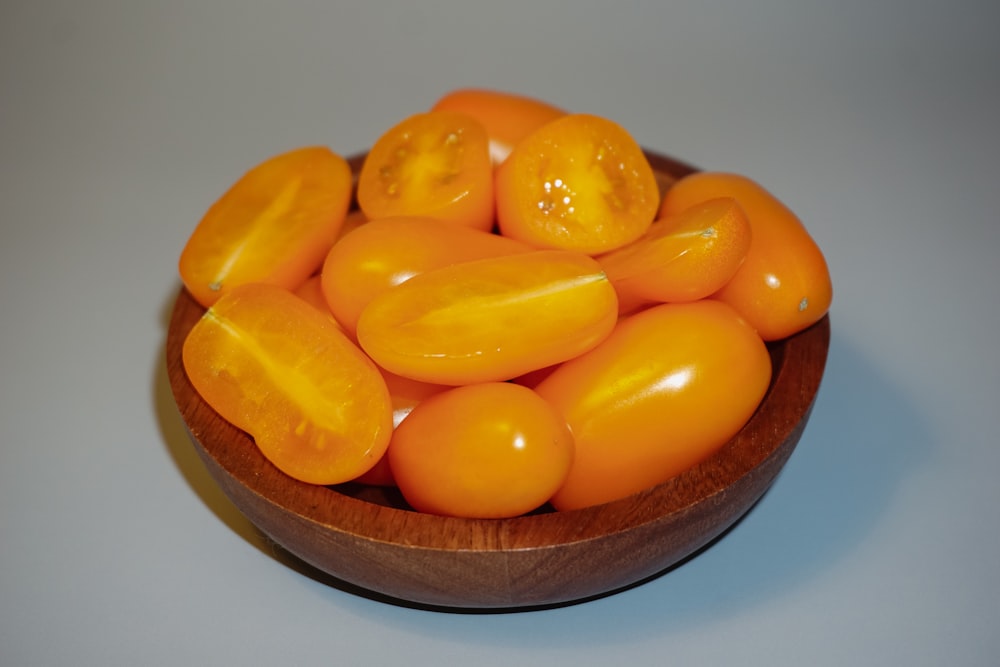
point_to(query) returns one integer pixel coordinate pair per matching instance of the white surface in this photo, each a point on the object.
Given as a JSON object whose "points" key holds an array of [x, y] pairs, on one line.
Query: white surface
{"points": [[120, 122]]}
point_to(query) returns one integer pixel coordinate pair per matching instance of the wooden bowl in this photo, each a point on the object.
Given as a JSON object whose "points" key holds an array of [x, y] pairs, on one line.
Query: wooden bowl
{"points": [[368, 538]]}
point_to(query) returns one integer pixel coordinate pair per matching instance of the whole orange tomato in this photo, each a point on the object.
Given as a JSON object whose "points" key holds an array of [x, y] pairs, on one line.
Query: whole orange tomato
{"points": [[489, 450], [664, 391]]}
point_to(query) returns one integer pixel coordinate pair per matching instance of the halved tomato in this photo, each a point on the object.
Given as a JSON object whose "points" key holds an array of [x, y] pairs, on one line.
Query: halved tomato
{"points": [[274, 225], [276, 367], [580, 182], [435, 164]]}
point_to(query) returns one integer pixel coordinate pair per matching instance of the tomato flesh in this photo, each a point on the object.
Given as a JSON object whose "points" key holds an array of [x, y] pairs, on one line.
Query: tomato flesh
{"points": [[435, 164], [577, 183], [274, 225], [278, 368]]}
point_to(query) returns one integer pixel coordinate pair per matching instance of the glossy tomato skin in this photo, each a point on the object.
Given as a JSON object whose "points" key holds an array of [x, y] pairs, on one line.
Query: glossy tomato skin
{"points": [[784, 284], [490, 319], [668, 388], [580, 182], [507, 117], [383, 253], [682, 257], [435, 164], [491, 450], [274, 225], [278, 368]]}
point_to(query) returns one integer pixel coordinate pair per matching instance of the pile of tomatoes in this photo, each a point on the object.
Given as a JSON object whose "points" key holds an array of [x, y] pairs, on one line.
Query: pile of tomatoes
{"points": [[512, 314]]}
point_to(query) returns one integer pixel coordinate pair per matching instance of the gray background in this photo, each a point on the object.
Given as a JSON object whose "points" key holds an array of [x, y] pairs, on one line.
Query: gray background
{"points": [[121, 122]]}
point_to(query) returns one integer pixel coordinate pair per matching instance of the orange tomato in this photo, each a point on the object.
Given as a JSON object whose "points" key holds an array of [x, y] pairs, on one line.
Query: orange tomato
{"points": [[682, 257], [667, 389], [276, 367], [383, 253], [507, 117], [274, 225], [577, 183], [490, 450], [435, 164], [784, 285], [490, 319]]}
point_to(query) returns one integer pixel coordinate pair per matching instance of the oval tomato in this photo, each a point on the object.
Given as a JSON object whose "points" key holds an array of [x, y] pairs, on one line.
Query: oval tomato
{"points": [[490, 450], [274, 225], [784, 284], [577, 183], [383, 253], [276, 367], [434, 164], [664, 391], [490, 319]]}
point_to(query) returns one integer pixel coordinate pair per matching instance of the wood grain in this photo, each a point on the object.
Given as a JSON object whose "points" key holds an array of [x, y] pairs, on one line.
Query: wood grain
{"points": [[370, 539]]}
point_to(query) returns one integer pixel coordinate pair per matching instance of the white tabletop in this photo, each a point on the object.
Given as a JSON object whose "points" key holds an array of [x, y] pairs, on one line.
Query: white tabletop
{"points": [[121, 122]]}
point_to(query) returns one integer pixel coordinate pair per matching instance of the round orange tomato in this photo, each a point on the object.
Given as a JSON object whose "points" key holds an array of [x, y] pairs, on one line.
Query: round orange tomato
{"points": [[580, 182], [664, 391], [435, 164], [490, 450]]}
